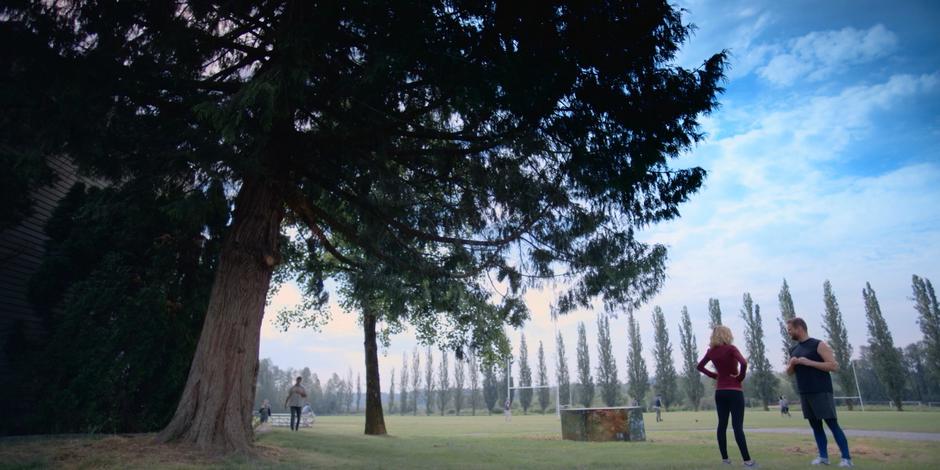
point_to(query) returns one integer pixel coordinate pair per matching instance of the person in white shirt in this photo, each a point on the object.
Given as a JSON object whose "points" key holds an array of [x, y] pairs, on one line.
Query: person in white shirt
{"points": [[295, 400]]}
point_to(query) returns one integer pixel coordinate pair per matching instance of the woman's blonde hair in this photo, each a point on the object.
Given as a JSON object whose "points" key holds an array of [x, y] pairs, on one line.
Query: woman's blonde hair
{"points": [[721, 335]]}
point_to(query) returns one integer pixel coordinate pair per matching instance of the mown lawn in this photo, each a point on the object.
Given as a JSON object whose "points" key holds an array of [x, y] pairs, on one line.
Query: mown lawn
{"points": [[684, 440]]}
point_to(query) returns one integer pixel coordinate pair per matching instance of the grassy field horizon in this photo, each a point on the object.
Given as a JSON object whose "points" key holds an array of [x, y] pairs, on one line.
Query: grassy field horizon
{"points": [[683, 440]]}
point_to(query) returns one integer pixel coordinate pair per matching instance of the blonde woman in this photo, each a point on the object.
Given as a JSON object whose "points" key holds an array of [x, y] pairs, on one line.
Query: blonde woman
{"points": [[729, 395]]}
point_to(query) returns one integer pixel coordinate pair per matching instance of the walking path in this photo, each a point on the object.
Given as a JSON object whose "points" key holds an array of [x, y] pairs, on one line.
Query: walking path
{"points": [[899, 435]]}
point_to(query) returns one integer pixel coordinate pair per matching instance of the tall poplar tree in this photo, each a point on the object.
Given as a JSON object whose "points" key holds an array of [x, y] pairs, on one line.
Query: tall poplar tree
{"points": [[391, 393], [409, 144], [692, 381], [638, 382], [415, 380], [787, 311], [759, 368], [585, 382], [358, 392], [473, 369], [562, 378], [838, 340], [887, 359], [459, 377], [429, 382], [714, 313], [665, 369], [925, 302], [607, 379], [544, 399], [404, 384], [444, 376], [525, 376]]}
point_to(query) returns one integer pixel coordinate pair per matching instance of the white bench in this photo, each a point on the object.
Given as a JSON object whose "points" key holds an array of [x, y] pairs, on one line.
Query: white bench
{"points": [[283, 420]]}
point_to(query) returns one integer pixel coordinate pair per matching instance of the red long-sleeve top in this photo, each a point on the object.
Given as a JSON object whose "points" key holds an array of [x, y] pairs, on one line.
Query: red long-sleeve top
{"points": [[726, 358]]}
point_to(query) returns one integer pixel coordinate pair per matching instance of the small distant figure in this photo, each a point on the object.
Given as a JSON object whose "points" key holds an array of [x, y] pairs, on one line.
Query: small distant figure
{"points": [[308, 414], [265, 411], [295, 400], [507, 411], [658, 406], [784, 407]]}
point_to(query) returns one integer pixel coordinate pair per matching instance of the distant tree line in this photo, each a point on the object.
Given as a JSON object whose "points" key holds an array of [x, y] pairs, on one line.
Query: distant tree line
{"points": [[885, 372]]}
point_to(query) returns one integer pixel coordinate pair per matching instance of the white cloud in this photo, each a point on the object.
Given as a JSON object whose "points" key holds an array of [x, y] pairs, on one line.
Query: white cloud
{"points": [[820, 54]]}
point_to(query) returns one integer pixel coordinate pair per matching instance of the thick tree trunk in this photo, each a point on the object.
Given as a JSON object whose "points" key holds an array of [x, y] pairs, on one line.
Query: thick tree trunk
{"points": [[215, 410], [375, 419]]}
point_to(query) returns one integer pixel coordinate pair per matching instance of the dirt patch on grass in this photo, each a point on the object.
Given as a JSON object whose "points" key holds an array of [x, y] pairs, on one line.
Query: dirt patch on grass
{"points": [[117, 451], [858, 451]]}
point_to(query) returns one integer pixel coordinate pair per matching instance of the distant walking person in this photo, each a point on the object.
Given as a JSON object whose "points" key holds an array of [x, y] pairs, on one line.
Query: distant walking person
{"points": [[784, 406], [295, 400], [729, 395], [658, 405], [265, 411], [507, 410], [812, 360]]}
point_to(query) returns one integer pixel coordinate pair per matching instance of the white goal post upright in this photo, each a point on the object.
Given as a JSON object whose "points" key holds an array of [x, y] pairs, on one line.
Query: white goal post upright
{"points": [[857, 389]]}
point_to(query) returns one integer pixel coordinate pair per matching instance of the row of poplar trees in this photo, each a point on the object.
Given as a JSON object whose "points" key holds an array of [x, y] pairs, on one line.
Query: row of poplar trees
{"points": [[911, 373], [898, 374]]}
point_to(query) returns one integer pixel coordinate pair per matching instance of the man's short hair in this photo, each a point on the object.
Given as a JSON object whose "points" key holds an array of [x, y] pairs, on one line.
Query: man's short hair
{"points": [[798, 322], [301, 378]]}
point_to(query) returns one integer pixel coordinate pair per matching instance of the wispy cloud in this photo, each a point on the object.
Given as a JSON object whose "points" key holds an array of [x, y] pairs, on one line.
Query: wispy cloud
{"points": [[821, 54]]}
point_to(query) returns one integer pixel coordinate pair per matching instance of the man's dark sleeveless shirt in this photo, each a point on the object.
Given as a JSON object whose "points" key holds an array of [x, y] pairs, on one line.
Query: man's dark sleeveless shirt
{"points": [[810, 379]]}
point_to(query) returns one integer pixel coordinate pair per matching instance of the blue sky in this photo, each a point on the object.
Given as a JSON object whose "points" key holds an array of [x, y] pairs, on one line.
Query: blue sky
{"points": [[822, 162]]}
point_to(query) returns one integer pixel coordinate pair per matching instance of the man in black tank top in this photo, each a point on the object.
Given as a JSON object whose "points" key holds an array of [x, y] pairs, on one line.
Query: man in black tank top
{"points": [[812, 360]]}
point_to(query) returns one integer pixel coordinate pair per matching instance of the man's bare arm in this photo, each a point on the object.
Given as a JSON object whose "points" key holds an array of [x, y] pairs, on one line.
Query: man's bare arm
{"points": [[828, 363], [791, 365]]}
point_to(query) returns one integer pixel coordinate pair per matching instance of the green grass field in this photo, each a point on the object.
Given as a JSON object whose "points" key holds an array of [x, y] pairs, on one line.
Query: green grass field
{"points": [[684, 440]]}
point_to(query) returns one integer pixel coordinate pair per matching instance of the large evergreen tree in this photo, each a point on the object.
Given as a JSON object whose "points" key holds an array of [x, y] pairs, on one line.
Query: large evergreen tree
{"points": [[925, 302], [662, 354], [544, 397], [408, 143], [562, 378], [759, 369], [525, 376], [638, 378], [838, 340], [886, 358], [694, 389], [607, 379], [714, 313], [585, 381]]}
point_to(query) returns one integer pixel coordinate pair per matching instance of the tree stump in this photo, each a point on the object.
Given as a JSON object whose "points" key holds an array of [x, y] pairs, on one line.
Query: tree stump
{"points": [[622, 423]]}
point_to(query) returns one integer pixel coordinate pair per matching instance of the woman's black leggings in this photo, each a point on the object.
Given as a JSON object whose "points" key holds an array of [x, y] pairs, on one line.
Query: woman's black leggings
{"points": [[731, 402]]}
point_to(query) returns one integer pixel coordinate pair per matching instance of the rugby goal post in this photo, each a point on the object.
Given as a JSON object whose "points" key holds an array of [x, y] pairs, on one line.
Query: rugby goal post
{"points": [[857, 390]]}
